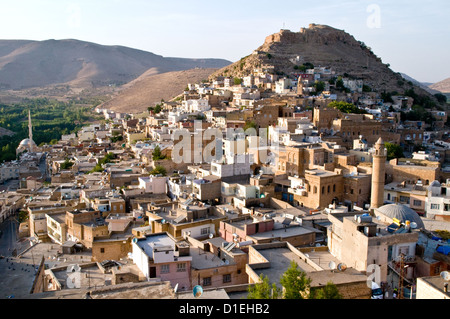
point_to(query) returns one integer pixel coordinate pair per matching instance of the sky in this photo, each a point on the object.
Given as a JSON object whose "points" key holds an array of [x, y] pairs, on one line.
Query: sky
{"points": [[412, 36]]}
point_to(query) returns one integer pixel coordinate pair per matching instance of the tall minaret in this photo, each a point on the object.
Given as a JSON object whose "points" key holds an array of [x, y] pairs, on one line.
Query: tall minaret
{"points": [[30, 131], [378, 174]]}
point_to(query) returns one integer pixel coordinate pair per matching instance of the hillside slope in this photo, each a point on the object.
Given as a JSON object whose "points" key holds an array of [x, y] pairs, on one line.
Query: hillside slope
{"points": [[323, 46], [442, 86], [150, 88], [27, 64]]}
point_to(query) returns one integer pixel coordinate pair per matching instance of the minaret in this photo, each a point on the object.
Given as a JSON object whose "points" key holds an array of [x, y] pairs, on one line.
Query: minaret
{"points": [[378, 174], [30, 131]]}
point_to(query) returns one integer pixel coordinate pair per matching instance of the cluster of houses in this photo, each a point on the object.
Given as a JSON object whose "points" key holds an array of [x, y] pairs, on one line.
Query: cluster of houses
{"points": [[301, 189]]}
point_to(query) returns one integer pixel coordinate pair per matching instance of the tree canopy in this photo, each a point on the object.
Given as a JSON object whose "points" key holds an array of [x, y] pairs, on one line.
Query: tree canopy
{"points": [[345, 107], [159, 170], [295, 283], [393, 151], [157, 155], [263, 290]]}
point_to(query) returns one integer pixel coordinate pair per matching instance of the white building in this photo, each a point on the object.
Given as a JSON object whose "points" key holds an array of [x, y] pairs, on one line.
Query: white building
{"points": [[232, 166], [153, 184], [192, 106], [9, 170], [438, 201], [283, 86]]}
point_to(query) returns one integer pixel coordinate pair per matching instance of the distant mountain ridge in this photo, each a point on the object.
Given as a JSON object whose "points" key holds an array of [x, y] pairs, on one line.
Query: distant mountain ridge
{"points": [[27, 64], [424, 85], [442, 86]]}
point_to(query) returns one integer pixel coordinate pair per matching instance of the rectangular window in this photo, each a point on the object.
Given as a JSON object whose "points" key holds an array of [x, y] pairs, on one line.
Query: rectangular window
{"points": [[205, 231], [102, 250], [404, 199], [434, 206], [417, 203], [226, 278], [165, 269], [181, 267], [207, 281]]}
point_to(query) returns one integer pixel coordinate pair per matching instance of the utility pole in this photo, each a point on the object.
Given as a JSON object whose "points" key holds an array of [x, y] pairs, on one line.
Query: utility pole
{"points": [[402, 276]]}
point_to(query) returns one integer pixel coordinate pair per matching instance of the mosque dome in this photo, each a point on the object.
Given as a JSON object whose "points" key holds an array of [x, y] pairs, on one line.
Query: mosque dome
{"points": [[402, 213], [26, 144]]}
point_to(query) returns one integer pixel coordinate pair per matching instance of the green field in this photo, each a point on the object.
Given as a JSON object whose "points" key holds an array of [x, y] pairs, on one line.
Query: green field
{"points": [[50, 119]]}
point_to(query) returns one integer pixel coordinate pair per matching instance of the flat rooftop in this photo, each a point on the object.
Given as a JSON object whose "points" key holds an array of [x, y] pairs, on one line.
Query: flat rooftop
{"points": [[280, 260], [204, 260], [151, 242]]}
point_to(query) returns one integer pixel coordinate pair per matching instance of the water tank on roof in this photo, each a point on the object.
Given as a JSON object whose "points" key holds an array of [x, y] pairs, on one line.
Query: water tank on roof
{"points": [[364, 219]]}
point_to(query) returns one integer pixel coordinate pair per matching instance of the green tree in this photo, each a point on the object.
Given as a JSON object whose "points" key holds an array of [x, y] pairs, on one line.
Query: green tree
{"points": [[345, 107], [159, 170], [340, 83], [67, 164], [330, 291], [441, 98], [393, 151], [157, 109], [250, 124], [157, 155], [295, 283], [263, 290], [237, 81], [319, 86]]}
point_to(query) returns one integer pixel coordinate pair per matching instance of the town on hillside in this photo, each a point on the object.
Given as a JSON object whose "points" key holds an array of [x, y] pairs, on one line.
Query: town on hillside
{"points": [[228, 186]]}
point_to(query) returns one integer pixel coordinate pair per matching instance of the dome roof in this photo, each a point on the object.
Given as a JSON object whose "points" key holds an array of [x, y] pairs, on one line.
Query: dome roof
{"points": [[26, 143], [402, 213], [435, 184]]}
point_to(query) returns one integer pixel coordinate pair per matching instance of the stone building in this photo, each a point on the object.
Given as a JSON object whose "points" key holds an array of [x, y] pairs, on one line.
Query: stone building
{"points": [[318, 189], [370, 243]]}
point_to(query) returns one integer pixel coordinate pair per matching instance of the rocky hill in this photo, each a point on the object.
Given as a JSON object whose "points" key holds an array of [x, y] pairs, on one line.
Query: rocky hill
{"points": [[423, 85], [29, 64], [323, 46], [442, 86], [151, 88]]}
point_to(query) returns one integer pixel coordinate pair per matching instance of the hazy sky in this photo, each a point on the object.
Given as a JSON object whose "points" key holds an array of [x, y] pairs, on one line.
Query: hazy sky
{"points": [[412, 36]]}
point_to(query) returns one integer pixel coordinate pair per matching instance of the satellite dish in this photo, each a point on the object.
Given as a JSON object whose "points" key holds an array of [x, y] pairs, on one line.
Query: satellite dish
{"points": [[135, 240], [413, 225], [307, 256], [332, 265], [445, 275], [198, 291], [175, 289], [342, 267], [211, 236]]}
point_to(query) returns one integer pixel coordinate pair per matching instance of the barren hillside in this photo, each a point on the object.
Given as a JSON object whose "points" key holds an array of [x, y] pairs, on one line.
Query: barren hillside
{"points": [[442, 86], [30, 64], [150, 88], [323, 46]]}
